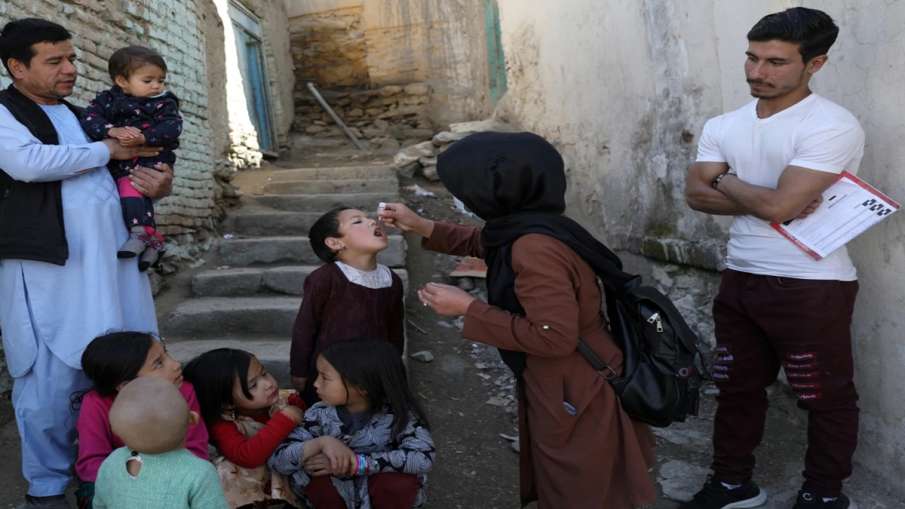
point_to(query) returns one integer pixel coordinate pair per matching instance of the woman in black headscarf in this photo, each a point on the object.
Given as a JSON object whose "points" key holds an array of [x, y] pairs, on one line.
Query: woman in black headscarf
{"points": [[578, 448]]}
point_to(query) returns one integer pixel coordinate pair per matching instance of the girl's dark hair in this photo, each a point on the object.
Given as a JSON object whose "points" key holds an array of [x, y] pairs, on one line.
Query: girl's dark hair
{"points": [[814, 31], [326, 226], [18, 37], [124, 61], [376, 368], [213, 374], [114, 358]]}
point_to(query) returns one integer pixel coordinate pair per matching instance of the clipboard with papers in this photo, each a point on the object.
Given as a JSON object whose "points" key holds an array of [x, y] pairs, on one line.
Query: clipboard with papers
{"points": [[850, 206]]}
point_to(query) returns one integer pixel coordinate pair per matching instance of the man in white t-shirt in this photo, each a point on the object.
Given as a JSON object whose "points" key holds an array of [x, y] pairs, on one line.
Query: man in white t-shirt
{"points": [[769, 161]]}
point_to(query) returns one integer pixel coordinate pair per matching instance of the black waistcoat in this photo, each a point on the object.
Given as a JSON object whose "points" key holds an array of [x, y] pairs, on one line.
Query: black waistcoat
{"points": [[31, 213]]}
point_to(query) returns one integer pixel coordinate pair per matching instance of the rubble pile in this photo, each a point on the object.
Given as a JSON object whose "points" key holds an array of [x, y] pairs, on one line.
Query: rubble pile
{"points": [[386, 117], [421, 157]]}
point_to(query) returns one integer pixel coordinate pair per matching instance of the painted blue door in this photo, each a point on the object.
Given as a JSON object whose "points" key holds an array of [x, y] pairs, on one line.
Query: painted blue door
{"points": [[251, 64], [496, 60]]}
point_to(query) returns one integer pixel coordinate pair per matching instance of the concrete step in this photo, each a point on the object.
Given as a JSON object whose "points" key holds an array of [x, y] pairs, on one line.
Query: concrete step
{"points": [[272, 352], [389, 186], [286, 280], [320, 202], [240, 252], [215, 317], [269, 222], [335, 173]]}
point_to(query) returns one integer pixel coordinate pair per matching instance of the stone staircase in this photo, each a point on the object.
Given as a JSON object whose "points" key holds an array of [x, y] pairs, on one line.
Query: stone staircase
{"points": [[249, 291]]}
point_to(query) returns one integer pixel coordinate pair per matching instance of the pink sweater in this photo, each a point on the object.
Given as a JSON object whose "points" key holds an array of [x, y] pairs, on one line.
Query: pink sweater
{"points": [[97, 441]]}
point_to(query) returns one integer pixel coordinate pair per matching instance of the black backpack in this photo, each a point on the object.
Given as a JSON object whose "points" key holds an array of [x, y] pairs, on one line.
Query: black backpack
{"points": [[662, 367]]}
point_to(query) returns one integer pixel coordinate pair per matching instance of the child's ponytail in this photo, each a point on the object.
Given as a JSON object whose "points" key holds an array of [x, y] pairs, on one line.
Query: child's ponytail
{"points": [[376, 368]]}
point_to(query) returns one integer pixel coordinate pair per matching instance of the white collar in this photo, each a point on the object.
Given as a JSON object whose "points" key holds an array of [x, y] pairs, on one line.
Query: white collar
{"points": [[380, 277]]}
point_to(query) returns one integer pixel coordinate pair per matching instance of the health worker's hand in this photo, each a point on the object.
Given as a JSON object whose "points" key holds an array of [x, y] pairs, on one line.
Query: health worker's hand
{"points": [[400, 216], [445, 300]]}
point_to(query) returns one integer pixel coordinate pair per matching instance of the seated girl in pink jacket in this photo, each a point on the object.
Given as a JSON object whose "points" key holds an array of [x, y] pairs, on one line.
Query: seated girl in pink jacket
{"points": [[109, 362]]}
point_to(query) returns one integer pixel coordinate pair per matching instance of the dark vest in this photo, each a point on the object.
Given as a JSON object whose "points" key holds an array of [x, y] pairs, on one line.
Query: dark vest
{"points": [[31, 213]]}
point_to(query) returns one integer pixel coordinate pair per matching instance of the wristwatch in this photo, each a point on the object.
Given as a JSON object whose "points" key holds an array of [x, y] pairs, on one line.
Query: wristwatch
{"points": [[716, 180]]}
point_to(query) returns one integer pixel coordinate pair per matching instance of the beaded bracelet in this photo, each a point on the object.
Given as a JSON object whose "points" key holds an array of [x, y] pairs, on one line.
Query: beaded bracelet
{"points": [[715, 183], [361, 463]]}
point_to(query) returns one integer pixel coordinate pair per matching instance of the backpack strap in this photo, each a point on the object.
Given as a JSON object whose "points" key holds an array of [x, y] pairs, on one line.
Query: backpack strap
{"points": [[595, 361]]}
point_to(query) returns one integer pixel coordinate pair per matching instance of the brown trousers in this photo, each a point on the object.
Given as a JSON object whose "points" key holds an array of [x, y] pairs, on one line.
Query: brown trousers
{"points": [[804, 326]]}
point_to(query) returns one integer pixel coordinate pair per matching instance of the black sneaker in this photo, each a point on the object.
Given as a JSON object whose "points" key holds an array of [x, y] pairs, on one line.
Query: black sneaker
{"points": [[716, 496], [810, 500]]}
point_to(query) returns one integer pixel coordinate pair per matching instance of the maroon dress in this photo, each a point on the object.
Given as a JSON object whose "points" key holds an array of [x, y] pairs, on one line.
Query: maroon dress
{"points": [[334, 309]]}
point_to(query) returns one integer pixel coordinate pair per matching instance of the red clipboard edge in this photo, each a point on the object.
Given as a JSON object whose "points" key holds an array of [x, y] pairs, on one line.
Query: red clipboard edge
{"points": [[869, 188], [782, 231], [851, 176]]}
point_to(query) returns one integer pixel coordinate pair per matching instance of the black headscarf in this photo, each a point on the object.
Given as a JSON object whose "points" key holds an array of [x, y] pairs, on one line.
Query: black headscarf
{"points": [[515, 182]]}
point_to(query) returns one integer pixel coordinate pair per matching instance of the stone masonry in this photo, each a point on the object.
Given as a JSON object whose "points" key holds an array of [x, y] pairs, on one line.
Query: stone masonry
{"points": [[355, 44], [329, 48], [387, 116]]}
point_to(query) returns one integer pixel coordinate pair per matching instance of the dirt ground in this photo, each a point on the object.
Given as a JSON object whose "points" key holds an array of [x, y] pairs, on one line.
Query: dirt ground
{"points": [[12, 486], [475, 467]]}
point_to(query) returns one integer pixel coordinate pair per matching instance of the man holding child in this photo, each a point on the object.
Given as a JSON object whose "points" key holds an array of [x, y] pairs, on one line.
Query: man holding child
{"points": [[61, 283]]}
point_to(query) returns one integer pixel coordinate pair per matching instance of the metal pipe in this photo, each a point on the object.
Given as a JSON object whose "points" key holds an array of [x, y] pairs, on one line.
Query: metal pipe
{"points": [[320, 99]]}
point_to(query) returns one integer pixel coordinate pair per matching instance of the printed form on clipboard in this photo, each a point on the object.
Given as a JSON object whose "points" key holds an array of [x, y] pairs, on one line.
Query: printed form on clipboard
{"points": [[850, 206]]}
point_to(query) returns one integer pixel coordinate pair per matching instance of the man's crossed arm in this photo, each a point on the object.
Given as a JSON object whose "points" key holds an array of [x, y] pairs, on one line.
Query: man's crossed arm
{"points": [[797, 194]]}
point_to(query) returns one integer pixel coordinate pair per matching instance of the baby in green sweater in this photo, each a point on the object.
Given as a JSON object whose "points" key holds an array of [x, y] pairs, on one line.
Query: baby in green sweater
{"points": [[154, 469]]}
